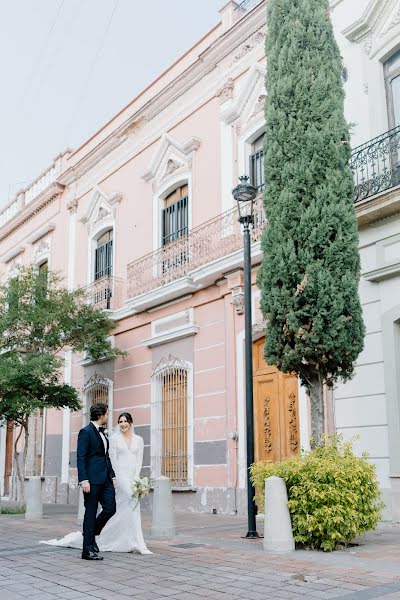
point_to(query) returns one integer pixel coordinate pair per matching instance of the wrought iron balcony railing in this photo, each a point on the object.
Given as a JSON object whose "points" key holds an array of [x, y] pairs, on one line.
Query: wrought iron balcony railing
{"points": [[376, 165], [106, 293], [210, 241], [247, 5]]}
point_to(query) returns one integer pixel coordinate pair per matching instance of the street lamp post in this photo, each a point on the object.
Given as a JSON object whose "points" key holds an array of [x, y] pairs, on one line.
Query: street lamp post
{"points": [[244, 194]]}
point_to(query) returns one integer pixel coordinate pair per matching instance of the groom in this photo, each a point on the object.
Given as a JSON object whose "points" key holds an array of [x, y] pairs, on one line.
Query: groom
{"points": [[96, 478]]}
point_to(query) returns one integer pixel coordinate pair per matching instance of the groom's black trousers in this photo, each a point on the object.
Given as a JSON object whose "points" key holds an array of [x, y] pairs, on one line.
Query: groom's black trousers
{"points": [[92, 525]]}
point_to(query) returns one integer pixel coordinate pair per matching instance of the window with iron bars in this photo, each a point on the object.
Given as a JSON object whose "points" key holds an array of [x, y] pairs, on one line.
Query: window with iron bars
{"points": [[103, 268], [256, 166], [96, 391], [170, 426]]}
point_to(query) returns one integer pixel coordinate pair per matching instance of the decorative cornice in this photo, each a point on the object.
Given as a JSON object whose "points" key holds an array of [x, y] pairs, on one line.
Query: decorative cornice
{"points": [[12, 254], [179, 333], [366, 24], [39, 233], [384, 272], [47, 196], [92, 158]]}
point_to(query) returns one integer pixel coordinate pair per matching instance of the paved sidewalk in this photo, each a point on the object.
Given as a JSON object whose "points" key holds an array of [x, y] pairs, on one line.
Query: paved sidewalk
{"points": [[207, 559]]}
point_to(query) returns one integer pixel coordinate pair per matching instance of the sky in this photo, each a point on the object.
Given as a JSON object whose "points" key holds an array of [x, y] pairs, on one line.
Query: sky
{"points": [[67, 66]]}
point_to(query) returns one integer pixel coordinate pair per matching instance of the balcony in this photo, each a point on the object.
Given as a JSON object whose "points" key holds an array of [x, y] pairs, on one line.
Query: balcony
{"points": [[376, 165], [106, 293], [247, 5], [214, 243]]}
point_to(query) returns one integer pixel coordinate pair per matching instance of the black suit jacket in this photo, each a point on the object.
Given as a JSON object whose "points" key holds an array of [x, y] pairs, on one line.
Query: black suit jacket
{"points": [[93, 462]]}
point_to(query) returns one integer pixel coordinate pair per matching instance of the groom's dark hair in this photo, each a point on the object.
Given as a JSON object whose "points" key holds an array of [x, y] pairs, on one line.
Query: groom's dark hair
{"points": [[97, 411]]}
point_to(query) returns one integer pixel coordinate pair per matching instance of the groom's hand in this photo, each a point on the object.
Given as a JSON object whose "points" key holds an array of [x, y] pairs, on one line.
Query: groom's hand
{"points": [[85, 487]]}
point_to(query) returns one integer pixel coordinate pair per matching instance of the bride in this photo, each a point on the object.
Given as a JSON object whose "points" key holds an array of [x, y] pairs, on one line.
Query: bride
{"points": [[123, 532]]}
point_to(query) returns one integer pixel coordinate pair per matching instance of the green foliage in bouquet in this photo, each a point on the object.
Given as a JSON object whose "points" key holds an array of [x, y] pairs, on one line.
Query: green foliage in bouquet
{"points": [[333, 494]]}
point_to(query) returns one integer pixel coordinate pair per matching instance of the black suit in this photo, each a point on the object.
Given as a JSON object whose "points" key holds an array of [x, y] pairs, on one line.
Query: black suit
{"points": [[94, 465]]}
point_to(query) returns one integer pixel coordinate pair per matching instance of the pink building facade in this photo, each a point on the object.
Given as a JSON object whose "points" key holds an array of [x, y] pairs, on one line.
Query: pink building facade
{"points": [[142, 215]]}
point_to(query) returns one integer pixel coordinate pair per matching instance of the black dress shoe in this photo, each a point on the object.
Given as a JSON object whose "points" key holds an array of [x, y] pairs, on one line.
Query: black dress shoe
{"points": [[90, 555], [95, 547]]}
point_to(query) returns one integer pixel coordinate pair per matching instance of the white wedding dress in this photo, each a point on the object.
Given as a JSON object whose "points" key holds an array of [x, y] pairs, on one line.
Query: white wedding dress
{"points": [[123, 532]]}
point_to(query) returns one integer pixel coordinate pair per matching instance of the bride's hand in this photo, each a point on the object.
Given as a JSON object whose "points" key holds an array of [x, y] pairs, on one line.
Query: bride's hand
{"points": [[115, 482]]}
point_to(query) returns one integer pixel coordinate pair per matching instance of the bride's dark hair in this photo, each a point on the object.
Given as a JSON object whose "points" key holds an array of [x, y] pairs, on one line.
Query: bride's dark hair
{"points": [[127, 416]]}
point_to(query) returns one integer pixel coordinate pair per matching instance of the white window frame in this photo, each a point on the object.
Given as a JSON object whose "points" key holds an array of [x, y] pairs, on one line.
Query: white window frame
{"points": [[245, 145], [95, 234]]}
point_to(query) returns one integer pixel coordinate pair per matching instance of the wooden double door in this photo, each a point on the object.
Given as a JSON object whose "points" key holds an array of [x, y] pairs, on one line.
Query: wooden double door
{"points": [[276, 420]]}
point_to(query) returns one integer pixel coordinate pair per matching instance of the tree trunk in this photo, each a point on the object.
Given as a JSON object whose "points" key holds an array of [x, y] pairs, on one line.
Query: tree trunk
{"points": [[316, 392], [21, 468]]}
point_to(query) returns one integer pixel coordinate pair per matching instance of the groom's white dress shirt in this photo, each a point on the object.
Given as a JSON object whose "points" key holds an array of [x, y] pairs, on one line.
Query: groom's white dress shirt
{"points": [[103, 437]]}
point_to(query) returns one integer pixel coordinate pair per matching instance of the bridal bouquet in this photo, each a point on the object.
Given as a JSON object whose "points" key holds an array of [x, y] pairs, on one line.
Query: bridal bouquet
{"points": [[140, 488]]}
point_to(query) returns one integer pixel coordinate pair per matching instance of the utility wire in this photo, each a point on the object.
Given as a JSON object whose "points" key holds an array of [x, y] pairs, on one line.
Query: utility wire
{"points": [[40, 59], [77, 106]]}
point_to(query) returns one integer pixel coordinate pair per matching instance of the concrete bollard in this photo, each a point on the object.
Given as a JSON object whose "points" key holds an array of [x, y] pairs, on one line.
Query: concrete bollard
{"points": [[278, 535], [34, 504], [163, 524]]}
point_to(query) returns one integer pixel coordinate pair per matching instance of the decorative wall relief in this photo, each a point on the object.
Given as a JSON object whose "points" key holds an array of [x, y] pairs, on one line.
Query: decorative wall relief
{"points": [[267, 425], [293, 430]]}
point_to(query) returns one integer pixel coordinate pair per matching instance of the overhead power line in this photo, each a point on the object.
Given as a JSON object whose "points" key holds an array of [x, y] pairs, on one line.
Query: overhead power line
{"points": [[77, 106]]}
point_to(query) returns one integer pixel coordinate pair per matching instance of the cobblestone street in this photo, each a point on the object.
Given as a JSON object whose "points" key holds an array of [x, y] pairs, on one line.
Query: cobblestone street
{"points": [[207, 559]]}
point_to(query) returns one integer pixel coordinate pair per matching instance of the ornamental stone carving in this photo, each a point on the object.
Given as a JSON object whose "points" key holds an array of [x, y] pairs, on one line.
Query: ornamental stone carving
{"points": [[172, 165], [72, 205], [293, 431], [42, 247], [395, 21], [256, 39], [259, 105], [238, 300], [226, 91], [267, 424], [102, 213]]}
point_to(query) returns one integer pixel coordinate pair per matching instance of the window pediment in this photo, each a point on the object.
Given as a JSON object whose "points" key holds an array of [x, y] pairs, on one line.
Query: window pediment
{"points": [[102, 208], [250, 101], [170, 158], [376, 27]]}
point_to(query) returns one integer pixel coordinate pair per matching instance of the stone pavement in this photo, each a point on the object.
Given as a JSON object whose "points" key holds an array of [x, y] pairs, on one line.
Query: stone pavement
{"points": [[207, 559]]}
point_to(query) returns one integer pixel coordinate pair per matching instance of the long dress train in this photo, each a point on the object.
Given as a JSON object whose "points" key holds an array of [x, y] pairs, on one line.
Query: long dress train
{"points": [[123, 532]]}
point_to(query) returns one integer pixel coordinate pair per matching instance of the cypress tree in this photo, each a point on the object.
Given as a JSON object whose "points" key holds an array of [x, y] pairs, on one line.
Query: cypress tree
{"points": [[310, 271]]}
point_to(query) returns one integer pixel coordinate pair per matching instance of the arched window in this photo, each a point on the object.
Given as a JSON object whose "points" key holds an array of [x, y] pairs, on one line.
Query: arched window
{"points": [[175, 215], [103, 270], [171, 422], [96, 390], [103, 255], [256, 167]]}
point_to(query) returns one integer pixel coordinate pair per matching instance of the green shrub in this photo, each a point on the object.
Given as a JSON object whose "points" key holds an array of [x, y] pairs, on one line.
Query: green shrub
{"points": [[333, 494]]}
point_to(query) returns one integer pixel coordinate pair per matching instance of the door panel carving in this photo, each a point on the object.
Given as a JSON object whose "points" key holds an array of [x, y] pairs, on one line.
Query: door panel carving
{"points": [[276, 426]]}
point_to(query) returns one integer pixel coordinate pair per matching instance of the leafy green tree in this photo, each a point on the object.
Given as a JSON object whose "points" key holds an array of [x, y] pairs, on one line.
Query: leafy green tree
{"points": [[310, 271], [39, 319]]}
